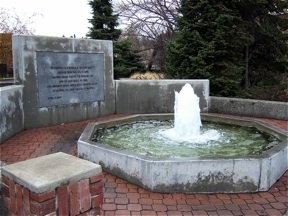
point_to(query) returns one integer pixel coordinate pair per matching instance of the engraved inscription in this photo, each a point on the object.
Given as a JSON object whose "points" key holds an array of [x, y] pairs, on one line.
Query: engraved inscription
{"points": [[65, 78], [72, 79]]}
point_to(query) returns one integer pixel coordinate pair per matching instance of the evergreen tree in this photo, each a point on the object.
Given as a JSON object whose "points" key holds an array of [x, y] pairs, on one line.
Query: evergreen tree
{"points": [[126, 60], [104, 24], [208, 46], [218, 39], [267, 54], [103, 21]]}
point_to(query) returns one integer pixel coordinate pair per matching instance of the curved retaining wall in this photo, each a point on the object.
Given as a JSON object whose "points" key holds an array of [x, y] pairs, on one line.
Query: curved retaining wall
{"points": [[143, 97], [11, 106], [248, 107]]}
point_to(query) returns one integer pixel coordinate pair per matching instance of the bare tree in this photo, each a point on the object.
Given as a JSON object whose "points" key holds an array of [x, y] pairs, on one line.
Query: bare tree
{"points": [[150, 17], [10, 22], [154, 20]]}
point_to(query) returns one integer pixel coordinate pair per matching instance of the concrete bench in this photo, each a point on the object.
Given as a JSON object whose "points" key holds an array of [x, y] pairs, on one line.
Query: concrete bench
{"points": [[56, 184]]}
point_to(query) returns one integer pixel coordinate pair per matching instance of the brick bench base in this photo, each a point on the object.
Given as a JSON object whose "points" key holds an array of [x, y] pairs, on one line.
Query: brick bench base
{"points": [[85, 196], [81, 197]]}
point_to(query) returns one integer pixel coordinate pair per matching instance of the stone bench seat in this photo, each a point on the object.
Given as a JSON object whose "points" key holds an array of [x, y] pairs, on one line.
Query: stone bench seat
{"points": [[55, 184]]}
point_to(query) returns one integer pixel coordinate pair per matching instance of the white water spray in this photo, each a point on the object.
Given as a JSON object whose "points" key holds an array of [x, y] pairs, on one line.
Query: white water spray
{"points": [[187, 119]]}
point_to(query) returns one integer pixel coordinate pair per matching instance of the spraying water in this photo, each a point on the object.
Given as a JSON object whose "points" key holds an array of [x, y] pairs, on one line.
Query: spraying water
{"points": [[187, 119]]}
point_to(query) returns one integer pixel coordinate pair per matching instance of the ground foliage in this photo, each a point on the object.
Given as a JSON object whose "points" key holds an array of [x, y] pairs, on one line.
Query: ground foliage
{"points": [[267, 92], [234, 44], [148, 75]]}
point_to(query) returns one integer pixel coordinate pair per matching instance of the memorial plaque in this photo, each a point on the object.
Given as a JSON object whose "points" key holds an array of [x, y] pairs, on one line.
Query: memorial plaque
{"points": [[66, 78]]}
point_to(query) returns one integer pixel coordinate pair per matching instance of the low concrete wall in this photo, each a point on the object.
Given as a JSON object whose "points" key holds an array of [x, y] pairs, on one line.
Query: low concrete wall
{"points": [[247, 107], [11, 116], [155, 96], [131, 97]]}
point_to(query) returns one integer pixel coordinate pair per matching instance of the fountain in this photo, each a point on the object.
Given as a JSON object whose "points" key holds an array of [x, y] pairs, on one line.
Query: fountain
{"points": [[190, 173], [187, 119]]}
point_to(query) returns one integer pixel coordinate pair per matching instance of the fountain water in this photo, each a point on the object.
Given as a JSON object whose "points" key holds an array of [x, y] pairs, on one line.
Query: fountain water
{"points": [[187, 119]]}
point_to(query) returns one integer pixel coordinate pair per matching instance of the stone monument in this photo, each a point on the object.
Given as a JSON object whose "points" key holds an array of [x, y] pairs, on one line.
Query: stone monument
{"points": [[64, 79]]}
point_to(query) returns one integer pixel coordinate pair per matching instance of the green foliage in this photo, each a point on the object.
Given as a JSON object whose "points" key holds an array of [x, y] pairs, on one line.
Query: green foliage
{"points": [[126, 60], [266, 24], [278, 92], [103, 21], [212, 38], [208, 46], [104, 24]]}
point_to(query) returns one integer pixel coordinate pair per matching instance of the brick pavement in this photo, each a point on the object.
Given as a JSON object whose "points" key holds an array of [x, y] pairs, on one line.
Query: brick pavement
{"points": [[123, 198]]}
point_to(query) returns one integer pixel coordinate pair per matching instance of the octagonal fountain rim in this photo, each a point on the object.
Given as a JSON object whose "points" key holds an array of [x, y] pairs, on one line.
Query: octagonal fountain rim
{"points": [[189, 175], [90, 129]]}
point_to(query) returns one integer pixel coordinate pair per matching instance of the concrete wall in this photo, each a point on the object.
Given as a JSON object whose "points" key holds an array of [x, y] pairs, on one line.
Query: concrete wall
{"points": [[25, 71], [247, 107], [155, 96], [11, 116], [131, 97]]}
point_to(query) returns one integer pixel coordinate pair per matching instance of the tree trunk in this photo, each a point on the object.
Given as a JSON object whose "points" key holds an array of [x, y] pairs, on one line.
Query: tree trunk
{"points": [[247, 81], [152, 59]]}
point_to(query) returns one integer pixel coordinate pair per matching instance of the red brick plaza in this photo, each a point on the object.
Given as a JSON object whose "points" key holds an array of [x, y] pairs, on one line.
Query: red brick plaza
{"points": [[123, 198]]}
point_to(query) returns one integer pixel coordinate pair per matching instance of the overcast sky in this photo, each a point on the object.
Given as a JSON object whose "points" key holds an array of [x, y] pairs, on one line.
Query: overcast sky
{"points": [[53, 17]]}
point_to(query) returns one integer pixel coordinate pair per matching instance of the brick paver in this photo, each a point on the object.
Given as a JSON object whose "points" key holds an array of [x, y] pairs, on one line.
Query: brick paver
{"points": [[123, 198]]}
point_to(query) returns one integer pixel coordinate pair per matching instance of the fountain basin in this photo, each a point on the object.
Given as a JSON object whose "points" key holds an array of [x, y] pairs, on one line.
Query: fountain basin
{"points": [[189, 175]]}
